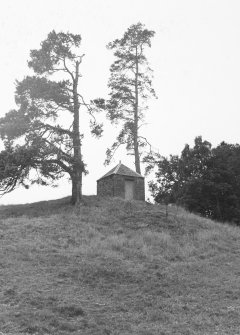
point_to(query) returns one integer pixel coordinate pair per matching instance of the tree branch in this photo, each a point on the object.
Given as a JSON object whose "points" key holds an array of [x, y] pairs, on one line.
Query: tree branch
{"points": [[57, 129], [67, 69]]}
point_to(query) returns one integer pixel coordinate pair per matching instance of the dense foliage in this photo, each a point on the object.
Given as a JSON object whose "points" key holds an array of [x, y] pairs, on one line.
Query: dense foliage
{"points": [[203, 179], [40, 146]]}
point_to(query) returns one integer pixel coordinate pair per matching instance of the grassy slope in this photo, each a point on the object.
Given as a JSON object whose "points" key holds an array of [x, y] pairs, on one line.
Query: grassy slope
{"points": [[116, 267]]}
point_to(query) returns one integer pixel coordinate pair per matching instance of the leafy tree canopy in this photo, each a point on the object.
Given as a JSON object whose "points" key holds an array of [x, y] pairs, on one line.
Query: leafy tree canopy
{"points": [[203, 179], [34, 134]]}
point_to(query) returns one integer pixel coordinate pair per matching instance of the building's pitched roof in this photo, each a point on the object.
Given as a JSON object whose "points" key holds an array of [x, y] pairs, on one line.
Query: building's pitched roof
{"points": [[122, 170]]}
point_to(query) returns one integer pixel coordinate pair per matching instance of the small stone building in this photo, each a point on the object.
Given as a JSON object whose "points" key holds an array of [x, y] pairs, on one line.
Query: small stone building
{"points": [[122, 182]]}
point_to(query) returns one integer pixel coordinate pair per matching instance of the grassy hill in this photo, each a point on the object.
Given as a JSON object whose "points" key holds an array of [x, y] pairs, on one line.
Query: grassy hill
{"points": [[116, 267]]}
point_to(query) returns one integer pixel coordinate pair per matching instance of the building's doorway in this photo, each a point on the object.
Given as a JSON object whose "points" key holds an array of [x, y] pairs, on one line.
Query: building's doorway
{"points": [[129, 189]]}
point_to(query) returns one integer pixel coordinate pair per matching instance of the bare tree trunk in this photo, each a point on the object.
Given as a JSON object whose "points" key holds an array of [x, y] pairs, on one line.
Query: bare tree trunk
{"points": [[76, 188], [78, 164], [135, 130], [136, 153]]}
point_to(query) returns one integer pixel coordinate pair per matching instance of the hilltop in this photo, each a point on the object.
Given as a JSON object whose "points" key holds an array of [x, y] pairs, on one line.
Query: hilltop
{"points": [[116, 267]]}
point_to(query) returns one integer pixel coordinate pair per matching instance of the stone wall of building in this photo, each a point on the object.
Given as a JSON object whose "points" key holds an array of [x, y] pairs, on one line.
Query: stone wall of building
{"points": [[105, 187], [114, 186]]}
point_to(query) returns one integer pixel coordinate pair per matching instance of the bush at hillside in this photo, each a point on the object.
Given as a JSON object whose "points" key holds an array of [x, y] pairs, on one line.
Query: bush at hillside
{"points": [[203, 179]]}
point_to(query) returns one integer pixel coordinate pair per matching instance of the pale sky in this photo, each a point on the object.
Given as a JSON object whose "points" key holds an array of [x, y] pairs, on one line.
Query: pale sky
{"points": [[195, 57]]}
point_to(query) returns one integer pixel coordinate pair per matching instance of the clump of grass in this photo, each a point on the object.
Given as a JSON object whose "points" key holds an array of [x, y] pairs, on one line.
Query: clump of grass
{"points": [[70, 311]]}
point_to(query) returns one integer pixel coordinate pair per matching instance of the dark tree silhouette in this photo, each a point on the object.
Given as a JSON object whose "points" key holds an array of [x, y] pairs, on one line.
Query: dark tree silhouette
{"points": [[47, 146], [203, 179], [130, 87]]}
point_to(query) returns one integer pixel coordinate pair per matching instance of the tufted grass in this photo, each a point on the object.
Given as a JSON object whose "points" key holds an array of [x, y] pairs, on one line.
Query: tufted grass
{"points": [[116, 267]]}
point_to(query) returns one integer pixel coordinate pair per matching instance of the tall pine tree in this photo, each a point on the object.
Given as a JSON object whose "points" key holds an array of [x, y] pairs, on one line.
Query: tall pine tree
{"points": [[130, 86]]}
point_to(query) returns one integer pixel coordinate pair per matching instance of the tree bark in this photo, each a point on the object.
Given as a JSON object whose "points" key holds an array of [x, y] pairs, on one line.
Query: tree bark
{"points": [[76, 188], [135, 130], [78, 164]]}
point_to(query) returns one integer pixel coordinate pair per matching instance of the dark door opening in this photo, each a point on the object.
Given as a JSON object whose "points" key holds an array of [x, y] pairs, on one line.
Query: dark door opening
{"points": [[129, 189]]}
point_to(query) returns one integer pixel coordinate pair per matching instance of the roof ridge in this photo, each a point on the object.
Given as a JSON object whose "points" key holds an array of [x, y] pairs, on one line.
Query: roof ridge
{"points": [[122, 170], [132, 170], [117, 167]]}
